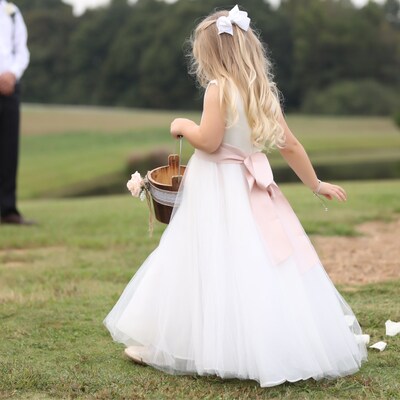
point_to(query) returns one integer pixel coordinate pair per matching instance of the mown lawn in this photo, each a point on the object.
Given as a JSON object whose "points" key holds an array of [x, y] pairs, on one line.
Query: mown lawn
{"points": [[58, 280], [64, 147]]}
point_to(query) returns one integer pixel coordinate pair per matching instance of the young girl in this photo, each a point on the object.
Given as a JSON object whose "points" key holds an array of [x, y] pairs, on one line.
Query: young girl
{"points": [[235, 287]]}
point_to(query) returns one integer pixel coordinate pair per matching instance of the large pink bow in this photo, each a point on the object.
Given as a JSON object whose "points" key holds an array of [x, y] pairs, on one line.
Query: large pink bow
{"points": [[262, 187]]}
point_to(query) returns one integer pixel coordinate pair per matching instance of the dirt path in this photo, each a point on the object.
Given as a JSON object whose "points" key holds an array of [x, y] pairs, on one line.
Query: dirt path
{"points": [[373, 257]]}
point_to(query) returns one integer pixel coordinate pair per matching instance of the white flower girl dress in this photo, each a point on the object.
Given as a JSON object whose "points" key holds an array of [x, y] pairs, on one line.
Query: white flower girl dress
{"points": [[235, 288]]}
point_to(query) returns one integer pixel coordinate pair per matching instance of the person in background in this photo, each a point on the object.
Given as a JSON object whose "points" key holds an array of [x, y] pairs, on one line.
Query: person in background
{"points": [[14, 59]]}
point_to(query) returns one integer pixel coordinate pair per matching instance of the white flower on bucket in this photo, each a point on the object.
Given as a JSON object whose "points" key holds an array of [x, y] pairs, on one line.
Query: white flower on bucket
{"points": [[135, 185], [139, 187]]}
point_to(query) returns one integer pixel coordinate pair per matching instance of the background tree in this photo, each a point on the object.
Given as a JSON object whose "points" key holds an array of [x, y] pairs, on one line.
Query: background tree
{"points": [[325, 53]]}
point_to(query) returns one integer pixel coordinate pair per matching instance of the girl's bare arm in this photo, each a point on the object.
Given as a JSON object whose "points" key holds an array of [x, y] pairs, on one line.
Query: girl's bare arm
{"points": [[295, 155], [209, 134]]}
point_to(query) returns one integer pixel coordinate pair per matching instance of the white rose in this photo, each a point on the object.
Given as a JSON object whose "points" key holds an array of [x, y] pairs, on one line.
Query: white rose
{"points": [[135, 184]]}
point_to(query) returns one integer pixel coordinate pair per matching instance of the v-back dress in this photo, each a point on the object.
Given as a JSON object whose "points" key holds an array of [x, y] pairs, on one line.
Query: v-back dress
{"points": [[235, 287]]}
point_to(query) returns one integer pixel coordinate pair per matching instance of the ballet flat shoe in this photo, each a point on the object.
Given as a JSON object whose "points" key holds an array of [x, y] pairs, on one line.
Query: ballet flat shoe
{"points": [[132, 353]]}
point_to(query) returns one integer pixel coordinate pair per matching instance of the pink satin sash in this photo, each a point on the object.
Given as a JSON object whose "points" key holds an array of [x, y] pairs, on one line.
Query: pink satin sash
{"points": [[266, 200]]}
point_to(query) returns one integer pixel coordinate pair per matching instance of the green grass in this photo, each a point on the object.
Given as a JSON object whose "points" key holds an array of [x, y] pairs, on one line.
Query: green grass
{"points": [[366, 201], [64, 146], [59, 280], [52, 162], [70, 147]]}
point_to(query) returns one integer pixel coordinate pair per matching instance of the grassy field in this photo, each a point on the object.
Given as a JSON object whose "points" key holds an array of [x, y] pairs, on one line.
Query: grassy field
{"points": [[58, 280], [67, 147]]}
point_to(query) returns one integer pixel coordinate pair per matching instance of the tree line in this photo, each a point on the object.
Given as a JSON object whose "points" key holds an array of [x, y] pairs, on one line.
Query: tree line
{"points": [[328, 56]]}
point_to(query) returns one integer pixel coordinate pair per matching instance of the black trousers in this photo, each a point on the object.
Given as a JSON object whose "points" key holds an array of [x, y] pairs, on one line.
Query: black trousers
{"points": [[9, 145]]}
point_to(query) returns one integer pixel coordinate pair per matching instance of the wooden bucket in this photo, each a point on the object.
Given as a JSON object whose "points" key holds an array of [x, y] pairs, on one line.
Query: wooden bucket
{"points": [[164, 184]]}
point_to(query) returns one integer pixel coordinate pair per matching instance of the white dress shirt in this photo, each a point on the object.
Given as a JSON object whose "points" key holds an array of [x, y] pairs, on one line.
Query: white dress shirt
{"points": [[14, 53]]}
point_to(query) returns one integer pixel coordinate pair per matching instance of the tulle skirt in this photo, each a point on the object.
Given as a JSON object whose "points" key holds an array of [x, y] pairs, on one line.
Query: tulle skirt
{"points": [[209, 300]]}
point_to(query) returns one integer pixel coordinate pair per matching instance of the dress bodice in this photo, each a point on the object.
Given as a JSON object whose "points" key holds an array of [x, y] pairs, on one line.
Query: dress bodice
{"points": [[238, 134]]}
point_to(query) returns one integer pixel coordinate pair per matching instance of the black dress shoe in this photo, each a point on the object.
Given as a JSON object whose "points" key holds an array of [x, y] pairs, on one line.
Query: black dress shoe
{"points": [[16, 219]]}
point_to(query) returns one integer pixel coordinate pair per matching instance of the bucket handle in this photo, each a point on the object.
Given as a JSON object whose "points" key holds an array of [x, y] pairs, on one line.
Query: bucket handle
{"points": [[180, 137]]}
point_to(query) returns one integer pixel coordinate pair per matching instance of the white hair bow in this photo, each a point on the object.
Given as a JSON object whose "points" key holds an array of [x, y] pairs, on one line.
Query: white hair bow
{"points": [[240, 18]]}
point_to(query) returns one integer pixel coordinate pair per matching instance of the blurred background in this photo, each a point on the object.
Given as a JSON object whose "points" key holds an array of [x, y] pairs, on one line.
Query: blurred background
{"points": [[106, 78], [330, 57], [336, 62]]}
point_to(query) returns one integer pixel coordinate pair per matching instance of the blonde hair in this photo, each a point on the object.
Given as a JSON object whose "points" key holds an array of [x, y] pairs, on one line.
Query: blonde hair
{"points": [[239, 62]]}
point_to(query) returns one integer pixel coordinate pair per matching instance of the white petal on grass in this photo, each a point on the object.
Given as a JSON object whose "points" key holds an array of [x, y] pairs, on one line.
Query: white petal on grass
{"points": [[379, 345], [392, 328], [362, 338]]}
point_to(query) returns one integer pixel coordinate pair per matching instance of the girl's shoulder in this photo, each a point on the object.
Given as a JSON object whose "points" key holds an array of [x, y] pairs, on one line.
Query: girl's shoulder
{"points": [[210, 83], [213, 82]]}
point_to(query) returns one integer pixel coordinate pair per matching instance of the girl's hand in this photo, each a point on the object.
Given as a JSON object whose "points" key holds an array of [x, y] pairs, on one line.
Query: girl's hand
{"points": [[177, 127], [332, 191]]}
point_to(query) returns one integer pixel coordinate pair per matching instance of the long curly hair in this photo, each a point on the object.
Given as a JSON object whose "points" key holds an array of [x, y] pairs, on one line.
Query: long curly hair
{"points": [[239, 63]]}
